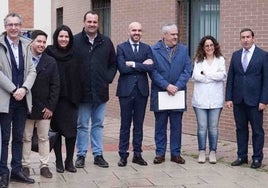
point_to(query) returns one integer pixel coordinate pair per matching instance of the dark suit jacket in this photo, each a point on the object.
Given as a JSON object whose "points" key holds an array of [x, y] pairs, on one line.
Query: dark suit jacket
{"points": [[45, 90], [252, 85], [130, 76]]}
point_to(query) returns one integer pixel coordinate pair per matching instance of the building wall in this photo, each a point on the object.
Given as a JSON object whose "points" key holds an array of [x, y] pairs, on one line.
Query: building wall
{"points": [[73, 12], [25, 9], [36, 14], [3, 12], [153, 14], [241, 14]]}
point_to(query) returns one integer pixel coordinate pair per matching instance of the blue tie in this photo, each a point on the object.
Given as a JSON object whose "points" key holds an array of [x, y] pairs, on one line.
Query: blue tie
{"points": [[135, 48]]}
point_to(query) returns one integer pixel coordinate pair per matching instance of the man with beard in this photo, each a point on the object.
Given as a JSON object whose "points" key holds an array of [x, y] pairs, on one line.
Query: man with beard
{"points": [[134, 61]]}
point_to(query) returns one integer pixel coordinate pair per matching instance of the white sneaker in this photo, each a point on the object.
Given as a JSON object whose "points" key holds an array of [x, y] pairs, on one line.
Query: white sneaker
{"points": [[212, 157], [202, 156]]}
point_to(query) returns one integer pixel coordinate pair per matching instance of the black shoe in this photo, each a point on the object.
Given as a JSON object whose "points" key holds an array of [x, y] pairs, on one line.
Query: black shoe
{"points": [[45, 172], [255, 164], [159, 159], [139, 160], [80, 162], [122, 162], [99, 160], [26, 171], [4, 181], [20, 177], [59, 167], [177, 159], [69, 166], [239, 162]]}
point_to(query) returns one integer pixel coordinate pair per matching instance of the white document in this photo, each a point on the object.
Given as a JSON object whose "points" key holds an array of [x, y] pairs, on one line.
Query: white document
{"points": [[169, 102]]}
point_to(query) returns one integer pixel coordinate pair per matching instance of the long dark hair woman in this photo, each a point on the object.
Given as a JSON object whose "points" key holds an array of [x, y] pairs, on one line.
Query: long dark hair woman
{"points": [[65, 116]]}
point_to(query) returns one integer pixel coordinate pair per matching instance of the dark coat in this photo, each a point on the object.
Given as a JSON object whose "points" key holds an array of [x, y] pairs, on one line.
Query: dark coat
{"points": [[99, 65], [130, 76], [252, 85], [45, 90], [70, 71]]}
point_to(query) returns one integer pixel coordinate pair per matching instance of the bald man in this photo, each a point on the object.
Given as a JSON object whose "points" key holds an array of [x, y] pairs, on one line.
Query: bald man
{"points": [[134, 61]]}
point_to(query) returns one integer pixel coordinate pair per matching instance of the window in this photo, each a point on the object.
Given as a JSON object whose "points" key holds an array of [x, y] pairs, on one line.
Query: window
{"points": [[198, 18], [103, 8], [59, 15]]}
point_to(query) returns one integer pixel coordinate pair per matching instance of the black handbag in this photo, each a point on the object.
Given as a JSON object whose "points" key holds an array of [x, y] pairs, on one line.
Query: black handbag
{"points": [[53, 135]]}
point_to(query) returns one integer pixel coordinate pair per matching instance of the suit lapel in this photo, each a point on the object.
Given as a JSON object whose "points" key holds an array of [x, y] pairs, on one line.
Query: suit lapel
{"points": [[253, 58]]}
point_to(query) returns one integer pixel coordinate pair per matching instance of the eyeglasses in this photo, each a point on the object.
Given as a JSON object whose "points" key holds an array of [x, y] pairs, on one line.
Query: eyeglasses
{"points": [[10, 25], [210, 45]]}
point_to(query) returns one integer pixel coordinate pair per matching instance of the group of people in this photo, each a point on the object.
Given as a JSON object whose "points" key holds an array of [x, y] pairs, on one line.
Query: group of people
{"points": [[65, 85], [60, 87]]}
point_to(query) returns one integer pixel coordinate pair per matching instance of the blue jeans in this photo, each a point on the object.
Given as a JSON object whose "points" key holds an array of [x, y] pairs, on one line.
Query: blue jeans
{"points": [[96, 113], [207, 121], [17, 117], [160, 136]]}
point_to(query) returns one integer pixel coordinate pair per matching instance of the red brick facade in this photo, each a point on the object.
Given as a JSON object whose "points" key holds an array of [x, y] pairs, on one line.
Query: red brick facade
{"points": [[26, 9]]}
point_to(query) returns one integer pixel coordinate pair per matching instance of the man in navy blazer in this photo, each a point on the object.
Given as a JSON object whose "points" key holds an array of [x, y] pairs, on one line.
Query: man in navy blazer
{"points": [[247, 93], [45, 93], [134, 61]]}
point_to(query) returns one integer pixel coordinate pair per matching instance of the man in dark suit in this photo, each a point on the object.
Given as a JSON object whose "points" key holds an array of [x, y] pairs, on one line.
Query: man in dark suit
{"points": [[45, 92], [134, 61], [247, 93]]}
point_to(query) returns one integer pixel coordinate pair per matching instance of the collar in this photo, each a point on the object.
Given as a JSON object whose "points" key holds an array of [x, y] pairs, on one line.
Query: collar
{"points": [[37, 58], [11, 42], [131, 42], [91, 39], [251, 50]]}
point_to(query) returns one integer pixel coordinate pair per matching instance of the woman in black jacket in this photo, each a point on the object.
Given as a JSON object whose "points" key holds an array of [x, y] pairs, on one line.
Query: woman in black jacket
{"points": [[65, 116]]}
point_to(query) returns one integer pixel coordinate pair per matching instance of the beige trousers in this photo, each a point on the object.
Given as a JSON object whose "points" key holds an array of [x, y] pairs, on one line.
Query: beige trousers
{"points": [[43, 141]]}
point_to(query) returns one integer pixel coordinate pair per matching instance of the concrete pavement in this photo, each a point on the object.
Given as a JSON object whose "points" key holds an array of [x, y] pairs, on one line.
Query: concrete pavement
{"points": [[167, 174]]}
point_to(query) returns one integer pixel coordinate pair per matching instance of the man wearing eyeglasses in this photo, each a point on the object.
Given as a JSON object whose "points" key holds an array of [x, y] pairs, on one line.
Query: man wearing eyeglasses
{"points": [[17, 75]]}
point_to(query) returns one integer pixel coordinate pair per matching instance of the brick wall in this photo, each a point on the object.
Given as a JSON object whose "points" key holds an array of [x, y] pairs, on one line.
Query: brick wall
{"points": [[241, 14], [25, 8]]}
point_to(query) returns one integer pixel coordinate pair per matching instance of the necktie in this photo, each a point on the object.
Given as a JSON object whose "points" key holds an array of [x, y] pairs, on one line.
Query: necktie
{"points": [[135, 48], [245, 60]]}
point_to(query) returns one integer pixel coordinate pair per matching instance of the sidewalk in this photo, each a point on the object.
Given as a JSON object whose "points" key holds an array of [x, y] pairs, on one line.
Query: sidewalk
{"points": [[167, 174]]}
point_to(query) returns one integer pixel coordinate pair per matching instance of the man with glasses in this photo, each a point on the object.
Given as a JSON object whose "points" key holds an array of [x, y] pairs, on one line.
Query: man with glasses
{"points": [[17, 75]]}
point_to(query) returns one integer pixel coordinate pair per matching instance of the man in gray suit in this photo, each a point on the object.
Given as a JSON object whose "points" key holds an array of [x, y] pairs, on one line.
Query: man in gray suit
{"points": [[17, 75]]}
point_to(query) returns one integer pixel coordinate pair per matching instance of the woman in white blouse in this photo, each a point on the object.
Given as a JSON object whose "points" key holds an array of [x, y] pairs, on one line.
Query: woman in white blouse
{"points": [[208, 96]]}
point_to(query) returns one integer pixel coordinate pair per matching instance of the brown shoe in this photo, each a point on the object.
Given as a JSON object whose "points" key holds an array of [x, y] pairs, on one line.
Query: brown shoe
{"points": [[177, 159], [26, 171], [45, 172], [159, 159]]}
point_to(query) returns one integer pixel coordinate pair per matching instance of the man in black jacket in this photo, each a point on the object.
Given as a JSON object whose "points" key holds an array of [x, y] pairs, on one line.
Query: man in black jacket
{"points": [[99, 60], [45, 92]]}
